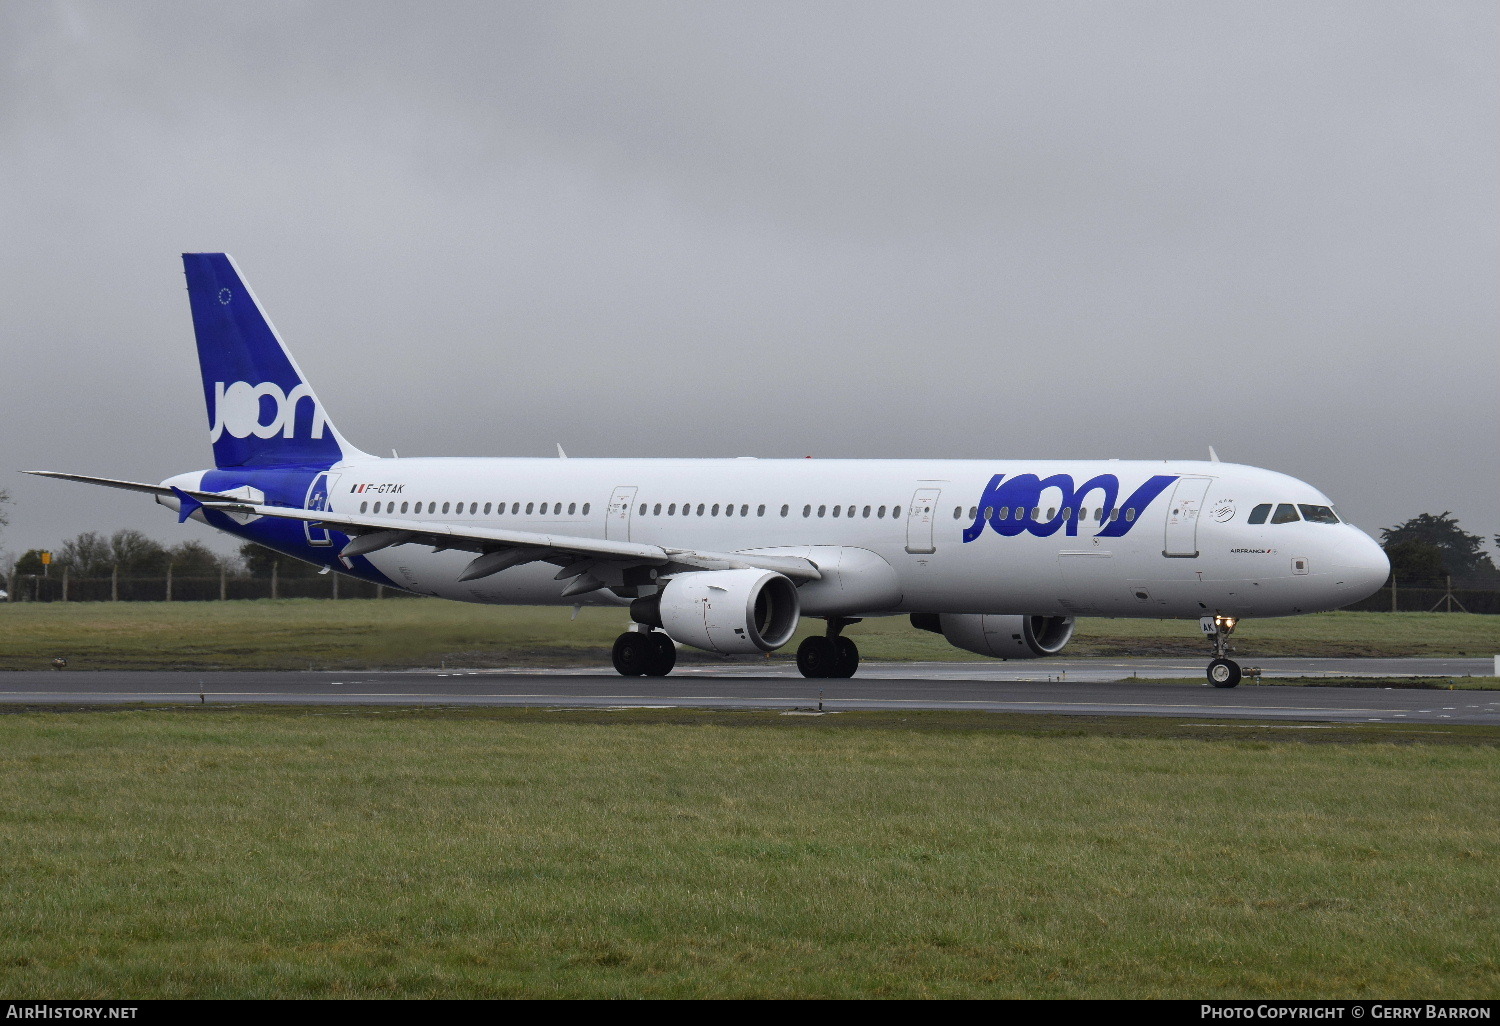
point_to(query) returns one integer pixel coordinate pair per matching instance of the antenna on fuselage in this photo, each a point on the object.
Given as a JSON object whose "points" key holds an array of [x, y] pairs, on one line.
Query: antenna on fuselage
{"points": [[560, 454], [1213, 457]]}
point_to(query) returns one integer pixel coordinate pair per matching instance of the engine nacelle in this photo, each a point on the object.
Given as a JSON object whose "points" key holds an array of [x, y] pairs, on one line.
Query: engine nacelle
{"points": [[731, 612], [1004, 637]]}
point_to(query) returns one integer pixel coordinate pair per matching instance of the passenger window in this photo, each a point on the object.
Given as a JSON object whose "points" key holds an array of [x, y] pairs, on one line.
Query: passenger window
{"points": [[715, 511], [672, 510], [643, 509], [895, 512], [486, 509], [822, 510], [403, 507], [745, 509], [880, 513], [585, 509], [515, 508], [1036, 514], [1129, 515], [572, 508], [1317, 514], [700, 509], [1285, 513], [655, 510], [760, 510], [1051, 512], [1004, 512], [807, 511], [785, 509], [362, 506], [529, 507], [1259, 513], [866, 513], [473, 508], [729, 510]]}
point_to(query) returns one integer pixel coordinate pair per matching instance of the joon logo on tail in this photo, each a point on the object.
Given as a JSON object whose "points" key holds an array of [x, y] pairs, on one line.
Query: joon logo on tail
{"points": [[1014, 506], [262, 410]]}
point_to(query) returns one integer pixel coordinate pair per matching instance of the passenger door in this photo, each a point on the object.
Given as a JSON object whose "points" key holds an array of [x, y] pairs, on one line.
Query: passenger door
{"points": [[1182, 517], [317, 499]]}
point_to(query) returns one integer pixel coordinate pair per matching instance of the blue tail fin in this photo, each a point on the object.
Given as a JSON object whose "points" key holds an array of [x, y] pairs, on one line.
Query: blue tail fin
{"points": [[261, 410]]}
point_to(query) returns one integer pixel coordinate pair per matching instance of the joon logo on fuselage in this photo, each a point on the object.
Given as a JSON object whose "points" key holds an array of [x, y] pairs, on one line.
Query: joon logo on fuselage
{"points": [[1013, 505]]}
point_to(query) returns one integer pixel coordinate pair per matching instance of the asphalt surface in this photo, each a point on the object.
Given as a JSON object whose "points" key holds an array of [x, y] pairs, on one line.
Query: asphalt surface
{"points": [[1077, 686]]}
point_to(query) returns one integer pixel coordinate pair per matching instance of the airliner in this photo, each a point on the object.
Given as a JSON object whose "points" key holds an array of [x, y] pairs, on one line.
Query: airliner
{"points": [[999, 556]]}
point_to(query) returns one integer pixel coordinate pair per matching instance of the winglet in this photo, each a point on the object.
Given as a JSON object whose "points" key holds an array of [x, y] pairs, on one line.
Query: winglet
{"points": [[188, 505]]}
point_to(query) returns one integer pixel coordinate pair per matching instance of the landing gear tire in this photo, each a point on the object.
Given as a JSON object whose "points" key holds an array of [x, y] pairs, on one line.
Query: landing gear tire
{"points": [[663, 655], [633, 654], [1223, 673], [816, 656], [644, 655], [823, 657], [848, 657]]}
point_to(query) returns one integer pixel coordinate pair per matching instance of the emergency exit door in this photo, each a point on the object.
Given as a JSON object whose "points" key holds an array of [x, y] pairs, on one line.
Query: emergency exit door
{"points": [[920, 520], [617, 517]]}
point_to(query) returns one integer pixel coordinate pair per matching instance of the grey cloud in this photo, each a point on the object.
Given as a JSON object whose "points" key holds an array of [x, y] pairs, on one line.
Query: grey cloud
{"points": [[1053, 229]]}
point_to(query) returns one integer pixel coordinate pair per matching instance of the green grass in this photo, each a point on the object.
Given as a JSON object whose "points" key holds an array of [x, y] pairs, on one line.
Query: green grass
{"points": [[393, 633], [409, 853]]}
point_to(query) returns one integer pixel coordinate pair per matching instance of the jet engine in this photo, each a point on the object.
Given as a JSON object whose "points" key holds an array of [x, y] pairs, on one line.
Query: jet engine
{"points": [[1004, 637], [726, 611]]}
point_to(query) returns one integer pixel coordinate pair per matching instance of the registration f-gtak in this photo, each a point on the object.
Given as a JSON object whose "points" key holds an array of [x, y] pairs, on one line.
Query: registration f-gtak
{"points": [[728, 555]]}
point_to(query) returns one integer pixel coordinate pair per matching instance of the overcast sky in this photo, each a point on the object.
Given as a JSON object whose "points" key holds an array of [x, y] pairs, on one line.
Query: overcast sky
{"points": [[1003, 229]]}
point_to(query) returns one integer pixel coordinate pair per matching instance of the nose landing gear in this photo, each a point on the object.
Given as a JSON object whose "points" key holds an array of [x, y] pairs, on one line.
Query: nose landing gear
{"points": [[1223, 672]]}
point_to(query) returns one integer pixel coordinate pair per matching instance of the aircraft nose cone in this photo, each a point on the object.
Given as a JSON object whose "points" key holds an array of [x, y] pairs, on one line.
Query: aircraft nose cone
{"points": [[1363, 566]]}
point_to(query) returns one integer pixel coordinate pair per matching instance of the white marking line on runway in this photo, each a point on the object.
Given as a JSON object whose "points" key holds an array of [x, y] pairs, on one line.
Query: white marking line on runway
{"points": [[698, 698]]}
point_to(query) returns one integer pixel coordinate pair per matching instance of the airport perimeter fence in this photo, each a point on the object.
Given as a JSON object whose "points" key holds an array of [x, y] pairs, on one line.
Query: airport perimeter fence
{"points": [[1455, 599], [63, 587]]}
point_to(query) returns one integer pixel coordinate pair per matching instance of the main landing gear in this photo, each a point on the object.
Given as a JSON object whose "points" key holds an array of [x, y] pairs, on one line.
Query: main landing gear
{"points": [[644, 654], [1223, 672], [832, 655]]}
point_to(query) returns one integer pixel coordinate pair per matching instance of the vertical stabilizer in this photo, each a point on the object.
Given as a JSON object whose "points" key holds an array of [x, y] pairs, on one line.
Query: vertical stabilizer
{"points": [[261, 410]]}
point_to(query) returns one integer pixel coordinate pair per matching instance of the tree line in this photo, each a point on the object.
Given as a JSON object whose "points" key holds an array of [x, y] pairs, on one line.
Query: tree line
{"points": [[130, 554]]}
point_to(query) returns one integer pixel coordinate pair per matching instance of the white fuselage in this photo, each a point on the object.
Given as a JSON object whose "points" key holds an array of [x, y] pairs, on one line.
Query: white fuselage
{"points": [[1187, 552]]}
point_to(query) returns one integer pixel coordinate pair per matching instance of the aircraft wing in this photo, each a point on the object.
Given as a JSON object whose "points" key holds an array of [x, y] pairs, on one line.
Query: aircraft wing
{"points": [[129, 486], [593, 563]]}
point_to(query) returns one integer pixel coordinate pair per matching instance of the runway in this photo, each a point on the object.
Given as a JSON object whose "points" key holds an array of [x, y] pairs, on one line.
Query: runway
{"points": [[1076, 686]]}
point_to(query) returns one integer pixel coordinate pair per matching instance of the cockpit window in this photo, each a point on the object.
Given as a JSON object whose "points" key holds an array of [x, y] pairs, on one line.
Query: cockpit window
{"points": [[1285, 513], [1318, 514], [1259, 513]]}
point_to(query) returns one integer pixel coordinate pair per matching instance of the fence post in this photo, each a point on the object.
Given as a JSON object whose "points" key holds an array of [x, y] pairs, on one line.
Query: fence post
{"points": [[274, 582], [11, 591], [114, 583], [1393, 593], [335, 577], [65, 584], [169, 582], [380, 591], [223, 587]]}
